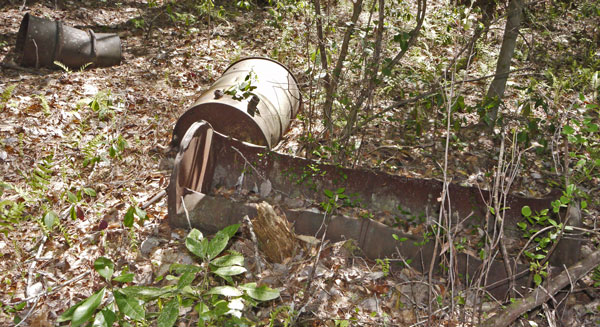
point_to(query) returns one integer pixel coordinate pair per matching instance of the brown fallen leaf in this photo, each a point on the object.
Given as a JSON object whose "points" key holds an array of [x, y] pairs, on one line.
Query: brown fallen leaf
{"points": [[80, 214], [41, 318]]}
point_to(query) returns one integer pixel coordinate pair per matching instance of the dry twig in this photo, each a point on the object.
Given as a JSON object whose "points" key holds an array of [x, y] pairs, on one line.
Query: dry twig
{"points": [[311, 276], [54, 290], [154, 199]]}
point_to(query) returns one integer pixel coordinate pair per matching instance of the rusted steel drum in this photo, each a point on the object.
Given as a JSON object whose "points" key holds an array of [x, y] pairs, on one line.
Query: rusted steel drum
{"points": [[254, 101], [41, 42]]}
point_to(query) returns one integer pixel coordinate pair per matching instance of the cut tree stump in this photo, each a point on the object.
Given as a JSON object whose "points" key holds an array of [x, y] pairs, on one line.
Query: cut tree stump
{"points": [[275, 237]]}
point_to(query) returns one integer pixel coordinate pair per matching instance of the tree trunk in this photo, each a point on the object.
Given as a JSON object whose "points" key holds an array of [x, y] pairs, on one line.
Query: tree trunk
{"points": [[337, 71], [369, 78], [496, 90]]}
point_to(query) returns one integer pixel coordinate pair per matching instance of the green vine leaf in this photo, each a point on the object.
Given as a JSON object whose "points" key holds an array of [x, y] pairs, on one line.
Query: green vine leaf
{"points": [[226, 290], [145, 293], [229, 271], [526, 211], [50, 219], [83, 311], [104, 318], [196, 243]]}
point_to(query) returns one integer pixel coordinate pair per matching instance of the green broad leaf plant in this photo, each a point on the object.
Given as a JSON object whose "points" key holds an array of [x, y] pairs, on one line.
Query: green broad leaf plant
{"points": [[209, 289], [543, 230]]}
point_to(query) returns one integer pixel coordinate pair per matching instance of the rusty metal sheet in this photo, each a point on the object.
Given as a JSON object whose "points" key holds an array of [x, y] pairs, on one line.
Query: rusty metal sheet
{"points": [[232, 164], [373, 238], [192, 172], [297, 177]]}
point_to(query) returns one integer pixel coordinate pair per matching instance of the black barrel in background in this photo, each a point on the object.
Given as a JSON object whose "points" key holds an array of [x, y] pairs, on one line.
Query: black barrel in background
{"points": [[261, 117], [41, 42]]}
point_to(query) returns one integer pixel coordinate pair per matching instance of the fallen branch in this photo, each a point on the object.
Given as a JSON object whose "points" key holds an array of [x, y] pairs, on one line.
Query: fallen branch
{"points": [[311, 276], [54, 290], [35, 302], [154, 199], [30, 275], [187, 214], [258, 173], [542, 294], [400, 147]]}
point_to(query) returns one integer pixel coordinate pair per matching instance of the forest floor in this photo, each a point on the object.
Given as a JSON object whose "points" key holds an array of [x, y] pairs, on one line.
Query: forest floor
{"points": [[90, 144]]}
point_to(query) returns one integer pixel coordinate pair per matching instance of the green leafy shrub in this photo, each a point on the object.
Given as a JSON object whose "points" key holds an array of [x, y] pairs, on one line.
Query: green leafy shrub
{"points": [[245, 88], [543, 231], [217, 301], [11, 213], [103, 104]]}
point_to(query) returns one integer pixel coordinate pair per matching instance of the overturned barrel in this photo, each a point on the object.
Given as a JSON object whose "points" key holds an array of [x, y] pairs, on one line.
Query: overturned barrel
{"points": [[41, 42], [254, 101]]}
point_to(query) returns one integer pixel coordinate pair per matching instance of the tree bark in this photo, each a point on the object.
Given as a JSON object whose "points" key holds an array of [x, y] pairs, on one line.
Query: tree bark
{"points": [[337, 71], [511, 32], [321, 41], [275, 236], [542, 294], [370, 76]]}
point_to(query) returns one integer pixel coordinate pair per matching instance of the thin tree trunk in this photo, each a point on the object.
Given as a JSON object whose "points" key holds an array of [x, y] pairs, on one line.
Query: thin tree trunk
{"points": [[421, 9], [370, 75], [321, 41], [331, 88], [496, 90]]}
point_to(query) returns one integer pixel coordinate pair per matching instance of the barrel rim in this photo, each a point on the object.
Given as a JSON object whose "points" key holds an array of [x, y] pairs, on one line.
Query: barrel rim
{"points": [[22, 33], [197, 108]]}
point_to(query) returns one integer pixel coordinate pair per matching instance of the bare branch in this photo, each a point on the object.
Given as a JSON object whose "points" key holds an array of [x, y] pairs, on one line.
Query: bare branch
{"points": [[542, 294], [421, 9], [321, 41], [422, 96], [370, 75]]}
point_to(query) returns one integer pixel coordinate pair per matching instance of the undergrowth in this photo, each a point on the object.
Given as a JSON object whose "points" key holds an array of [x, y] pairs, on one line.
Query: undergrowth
{"points": [[189, 287]]}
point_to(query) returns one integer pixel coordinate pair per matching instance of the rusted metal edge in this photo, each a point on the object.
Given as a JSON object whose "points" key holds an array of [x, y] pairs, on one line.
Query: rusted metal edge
{"points": [[374, 239], [296, 177], [193, 168], [232, 164]]}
